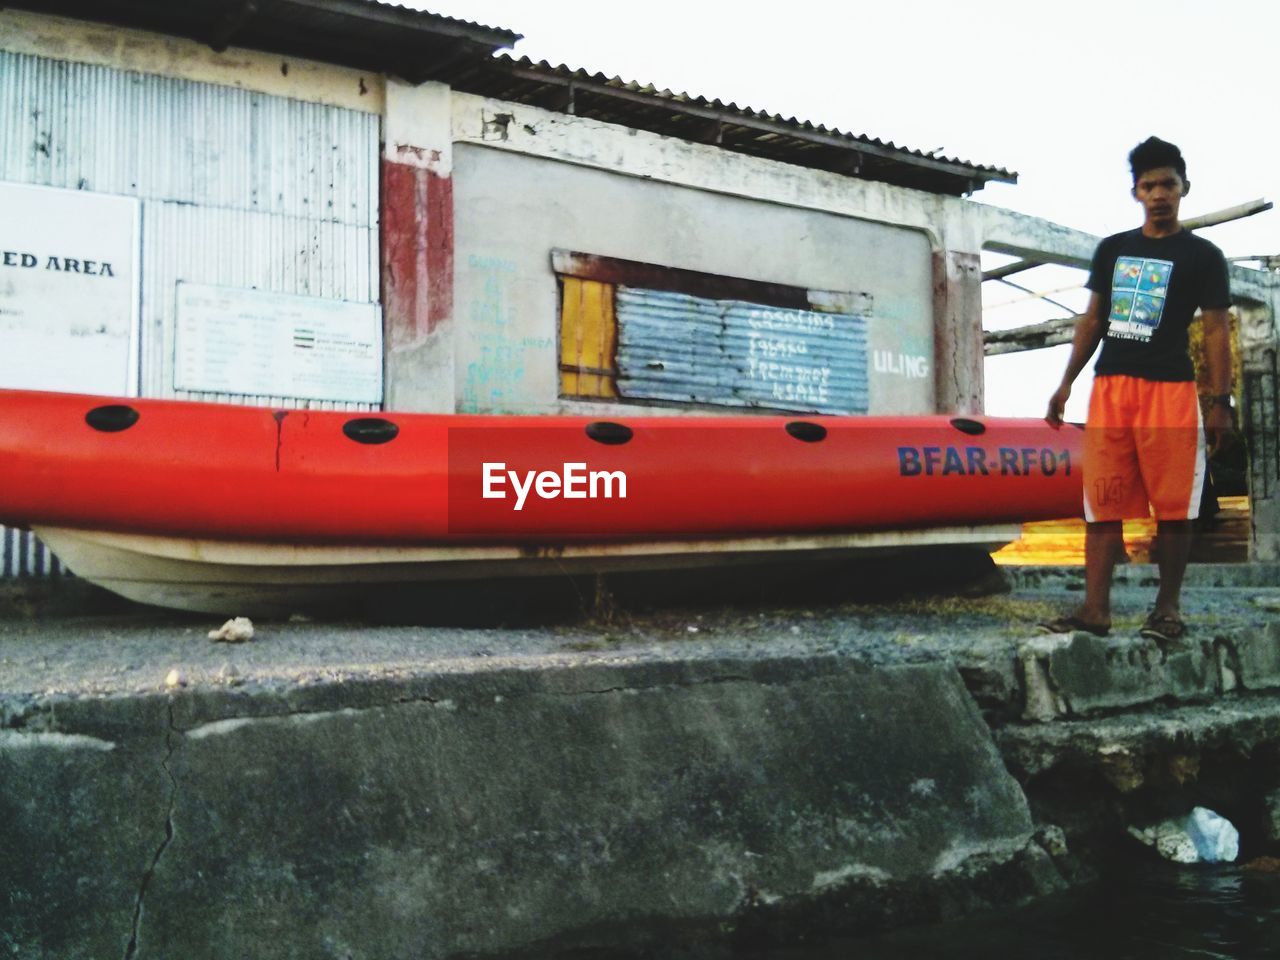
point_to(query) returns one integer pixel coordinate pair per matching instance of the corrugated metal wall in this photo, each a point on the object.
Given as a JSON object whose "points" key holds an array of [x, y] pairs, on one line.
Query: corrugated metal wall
{"points": [[672, 346], [238, 188], [23, 555]]}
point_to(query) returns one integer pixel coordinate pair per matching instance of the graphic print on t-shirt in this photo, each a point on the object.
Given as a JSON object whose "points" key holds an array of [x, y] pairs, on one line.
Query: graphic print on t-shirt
{"points": [[1138, 289]]}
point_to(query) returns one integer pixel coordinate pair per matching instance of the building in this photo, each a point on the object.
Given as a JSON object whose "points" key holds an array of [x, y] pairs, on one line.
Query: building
{"points": [[348, 204]]}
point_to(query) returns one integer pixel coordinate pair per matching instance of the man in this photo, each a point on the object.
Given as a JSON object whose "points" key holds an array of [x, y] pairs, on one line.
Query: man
{"points": [[1144, 439]]}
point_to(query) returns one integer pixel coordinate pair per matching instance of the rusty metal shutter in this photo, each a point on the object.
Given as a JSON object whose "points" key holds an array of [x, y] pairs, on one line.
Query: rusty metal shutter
{"points": [[672, 346]]}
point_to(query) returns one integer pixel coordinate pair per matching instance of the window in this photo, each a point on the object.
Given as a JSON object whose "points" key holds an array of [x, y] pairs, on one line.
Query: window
{"points": [[637, 331]]}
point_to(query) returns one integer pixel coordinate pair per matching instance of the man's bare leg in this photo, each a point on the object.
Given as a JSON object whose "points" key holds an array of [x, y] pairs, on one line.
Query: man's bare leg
{"points": [[1173, 548], [1103, 542]]}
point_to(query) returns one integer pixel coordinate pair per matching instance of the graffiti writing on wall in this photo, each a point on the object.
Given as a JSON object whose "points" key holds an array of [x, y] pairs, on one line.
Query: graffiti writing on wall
{"points": [[497, 367]]}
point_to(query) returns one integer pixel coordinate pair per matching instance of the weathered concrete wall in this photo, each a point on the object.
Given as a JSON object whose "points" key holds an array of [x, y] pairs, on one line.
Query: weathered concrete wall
{"points": [[493, 811], [418, 248], [950, 223], [513, 210]]}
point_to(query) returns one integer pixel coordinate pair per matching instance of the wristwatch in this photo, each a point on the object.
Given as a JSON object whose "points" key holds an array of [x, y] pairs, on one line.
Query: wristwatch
{"points": [[1223, 400]]}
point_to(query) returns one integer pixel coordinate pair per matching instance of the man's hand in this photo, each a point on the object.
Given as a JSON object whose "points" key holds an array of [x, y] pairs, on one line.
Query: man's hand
{"points": [[1218, 428], [1085, 338], [1058, 404], [1217, 350]]}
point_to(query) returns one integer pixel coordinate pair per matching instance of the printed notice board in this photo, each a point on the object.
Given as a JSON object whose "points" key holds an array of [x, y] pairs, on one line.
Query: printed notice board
{"points": [[255, 343], [68, 290]]}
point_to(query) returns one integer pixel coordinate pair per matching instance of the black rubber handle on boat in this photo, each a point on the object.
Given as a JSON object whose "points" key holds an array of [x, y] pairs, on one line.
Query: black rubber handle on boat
{"points": [[806, 431], [972, 427], [613, 434], [370, 430], [112, 417]]}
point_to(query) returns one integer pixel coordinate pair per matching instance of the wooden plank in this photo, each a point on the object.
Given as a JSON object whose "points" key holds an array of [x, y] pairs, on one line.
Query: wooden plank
{"points": [[957, 324], [1009, 269], [1035, 336], [1043, 241], [588, 337], [590, 342], [652, 276], [1223, 539], [1226, 215], [570, 330], [609, 340]]}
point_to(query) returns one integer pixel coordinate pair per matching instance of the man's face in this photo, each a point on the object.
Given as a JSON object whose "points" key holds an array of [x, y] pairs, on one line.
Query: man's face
{"points": [[1160, 192]]}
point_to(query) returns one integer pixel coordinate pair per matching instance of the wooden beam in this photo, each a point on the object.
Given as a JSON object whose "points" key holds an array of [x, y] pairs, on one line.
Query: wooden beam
{"points": [[230, 23], [1225, 215], [1036, 336], [1268, 261], [1009, 269], [957, 325]]}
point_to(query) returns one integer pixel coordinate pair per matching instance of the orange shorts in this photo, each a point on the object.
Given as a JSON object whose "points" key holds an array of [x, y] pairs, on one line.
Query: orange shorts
{"points": [[1143, 444]]}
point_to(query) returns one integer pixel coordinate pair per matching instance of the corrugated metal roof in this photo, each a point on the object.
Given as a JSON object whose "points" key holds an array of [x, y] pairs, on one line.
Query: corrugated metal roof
{"points": [[417, 11], [365, 34], [419, 46], [741, 129]]}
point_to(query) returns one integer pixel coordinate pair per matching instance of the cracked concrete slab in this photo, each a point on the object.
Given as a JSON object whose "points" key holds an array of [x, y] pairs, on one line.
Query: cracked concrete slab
{"points": [[171, 744], [499, 809], [71, 805], [398, 791]]}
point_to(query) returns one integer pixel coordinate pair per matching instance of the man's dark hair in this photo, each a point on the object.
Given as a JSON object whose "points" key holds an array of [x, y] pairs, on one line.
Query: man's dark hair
{"points": [[1153, 153]]}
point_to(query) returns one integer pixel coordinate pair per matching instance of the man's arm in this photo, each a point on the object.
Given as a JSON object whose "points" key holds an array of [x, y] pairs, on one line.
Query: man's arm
{"points": [[1217, 349], [1084, 341]]}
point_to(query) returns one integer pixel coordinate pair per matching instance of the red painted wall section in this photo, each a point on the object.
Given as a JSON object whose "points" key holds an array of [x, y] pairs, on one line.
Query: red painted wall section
{"points": [[417, 251], [439, 250]]}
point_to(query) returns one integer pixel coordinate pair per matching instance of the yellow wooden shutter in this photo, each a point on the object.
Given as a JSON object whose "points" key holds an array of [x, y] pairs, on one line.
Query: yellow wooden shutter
{"points": [[588, 339]]}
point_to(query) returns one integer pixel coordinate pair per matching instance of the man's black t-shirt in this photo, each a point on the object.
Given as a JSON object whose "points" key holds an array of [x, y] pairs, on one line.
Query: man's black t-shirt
{"points": [[1151, 288]]}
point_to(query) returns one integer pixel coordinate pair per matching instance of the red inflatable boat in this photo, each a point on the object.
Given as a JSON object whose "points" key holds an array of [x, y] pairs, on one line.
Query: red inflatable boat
{"points": [[242, 510], [295, 476]]}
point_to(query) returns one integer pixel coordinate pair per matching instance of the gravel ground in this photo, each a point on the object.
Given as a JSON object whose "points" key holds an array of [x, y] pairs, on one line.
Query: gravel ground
{"points": [[137, 651]]}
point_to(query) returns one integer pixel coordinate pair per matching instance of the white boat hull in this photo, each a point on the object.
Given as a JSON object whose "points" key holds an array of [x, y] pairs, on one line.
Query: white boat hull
{"points": [[274, 579]]}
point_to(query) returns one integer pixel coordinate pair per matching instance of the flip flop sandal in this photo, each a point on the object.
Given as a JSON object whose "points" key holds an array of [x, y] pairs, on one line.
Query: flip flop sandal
{"points": [[1071, 624], [1164, 627]]}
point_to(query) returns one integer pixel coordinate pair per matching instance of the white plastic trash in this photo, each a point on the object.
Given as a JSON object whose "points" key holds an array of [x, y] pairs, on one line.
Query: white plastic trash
{"points": [[1215, 839]]}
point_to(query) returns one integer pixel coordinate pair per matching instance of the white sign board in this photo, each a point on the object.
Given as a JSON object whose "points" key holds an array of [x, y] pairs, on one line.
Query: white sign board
{"points": [[254, 343], [68, 290]]}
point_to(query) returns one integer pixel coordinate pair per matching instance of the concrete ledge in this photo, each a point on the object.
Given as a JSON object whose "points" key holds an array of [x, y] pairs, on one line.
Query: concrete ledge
{"points": [[489, 811], [1075, 675], [701, 778], [1123, 749]]}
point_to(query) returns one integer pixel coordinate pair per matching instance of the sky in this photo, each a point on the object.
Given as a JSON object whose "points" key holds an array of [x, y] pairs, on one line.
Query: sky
{"points": [[1058, 93]]}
